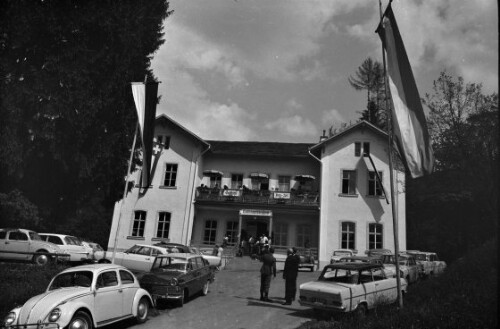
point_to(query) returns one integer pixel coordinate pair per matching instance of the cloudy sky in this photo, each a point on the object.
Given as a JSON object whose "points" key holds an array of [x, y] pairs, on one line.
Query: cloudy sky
{"points": [[277, 70]]}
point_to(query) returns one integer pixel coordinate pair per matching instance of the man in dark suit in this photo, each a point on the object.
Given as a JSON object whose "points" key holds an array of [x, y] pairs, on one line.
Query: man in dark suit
{"points": [[290, 275], [268, 268]]}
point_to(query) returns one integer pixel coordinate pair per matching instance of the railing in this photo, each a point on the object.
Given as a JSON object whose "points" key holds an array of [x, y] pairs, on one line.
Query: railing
{"points": [[295, 198]]}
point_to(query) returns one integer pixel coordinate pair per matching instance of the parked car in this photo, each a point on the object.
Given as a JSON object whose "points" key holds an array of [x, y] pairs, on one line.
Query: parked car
{"points": [[138, 258], [389, 272], [212, 260], [339, 253], [307, 260], [378, 252], [347, 287], [97, 253], [86, 296], [431, 265], [26, 245], [70, 244], [173, 247], [408, 267], [177, 277]]}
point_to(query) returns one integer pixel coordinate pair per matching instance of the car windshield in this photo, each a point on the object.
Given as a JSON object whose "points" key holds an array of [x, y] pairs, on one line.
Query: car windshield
{"points": [[34, 236], [339, 275], [170, 264], [97, 247], [71, 240], [72, 279]]}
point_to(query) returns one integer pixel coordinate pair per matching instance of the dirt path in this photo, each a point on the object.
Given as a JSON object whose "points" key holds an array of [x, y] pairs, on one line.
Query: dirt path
{"points": [[233, 303]]}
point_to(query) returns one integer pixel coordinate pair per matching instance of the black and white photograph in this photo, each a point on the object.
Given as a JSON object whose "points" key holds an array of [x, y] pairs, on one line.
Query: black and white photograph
{"points": [[247, 164]]}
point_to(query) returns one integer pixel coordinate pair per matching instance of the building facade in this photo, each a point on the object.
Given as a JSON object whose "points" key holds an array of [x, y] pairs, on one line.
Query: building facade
{"points": [[325, 196]]}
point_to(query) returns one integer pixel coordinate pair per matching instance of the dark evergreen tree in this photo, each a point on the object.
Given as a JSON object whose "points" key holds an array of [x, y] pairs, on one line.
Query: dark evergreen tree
{"points": [[68, 116]]}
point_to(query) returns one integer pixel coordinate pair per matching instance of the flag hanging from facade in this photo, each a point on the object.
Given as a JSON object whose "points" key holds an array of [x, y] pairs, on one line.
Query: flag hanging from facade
{"points": [[145, 98], [409, 123]]}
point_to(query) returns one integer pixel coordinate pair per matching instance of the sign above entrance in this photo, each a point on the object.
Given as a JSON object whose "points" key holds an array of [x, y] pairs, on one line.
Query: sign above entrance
{"points": [[256, 212]]}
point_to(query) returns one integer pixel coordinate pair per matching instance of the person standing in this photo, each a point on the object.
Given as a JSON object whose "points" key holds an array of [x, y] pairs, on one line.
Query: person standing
{"points": [[267, 270], [290, 275]]}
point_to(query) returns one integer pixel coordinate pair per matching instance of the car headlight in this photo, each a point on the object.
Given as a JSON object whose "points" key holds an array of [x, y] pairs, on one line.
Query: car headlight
{"points": [[54, 315], [173, 282], [9, 319]]}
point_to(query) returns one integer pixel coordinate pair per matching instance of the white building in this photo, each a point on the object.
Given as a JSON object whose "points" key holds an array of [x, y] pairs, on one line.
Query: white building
{"points": [[321, 196]]}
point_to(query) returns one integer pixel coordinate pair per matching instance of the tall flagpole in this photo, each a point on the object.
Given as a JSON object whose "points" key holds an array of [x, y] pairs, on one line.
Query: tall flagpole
{"points": [[124, 192], [391, 171]]}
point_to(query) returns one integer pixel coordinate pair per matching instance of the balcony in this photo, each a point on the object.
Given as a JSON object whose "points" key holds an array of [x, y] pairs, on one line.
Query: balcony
{"points": [[293, 198]]}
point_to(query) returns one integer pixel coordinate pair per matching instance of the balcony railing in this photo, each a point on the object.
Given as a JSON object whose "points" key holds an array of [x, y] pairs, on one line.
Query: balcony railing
{"points": [[257, 196]]}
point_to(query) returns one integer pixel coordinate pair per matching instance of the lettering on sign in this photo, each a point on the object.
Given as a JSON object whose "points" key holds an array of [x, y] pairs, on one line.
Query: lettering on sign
{"points": [[230, 192], [256, 212], [282, 195]]}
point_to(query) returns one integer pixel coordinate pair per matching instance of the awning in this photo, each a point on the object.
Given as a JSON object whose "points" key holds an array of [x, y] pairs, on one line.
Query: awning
{"points": [[258, 175], [212, 173], [304, 178]]}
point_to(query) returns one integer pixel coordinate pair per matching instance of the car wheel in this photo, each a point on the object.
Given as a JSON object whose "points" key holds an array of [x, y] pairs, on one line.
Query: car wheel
{"points": [[80, 320], [204, 291], [360, 311], [142, 310], [41, 259]]}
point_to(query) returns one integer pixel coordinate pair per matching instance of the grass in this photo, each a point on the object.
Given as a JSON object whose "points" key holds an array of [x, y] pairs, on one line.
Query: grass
{"points": [[19, 282], [465, 296]]}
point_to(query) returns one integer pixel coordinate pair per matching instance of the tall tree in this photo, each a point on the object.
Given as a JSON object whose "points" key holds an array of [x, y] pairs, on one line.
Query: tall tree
{"points": [[67, 112], [370, 77]]}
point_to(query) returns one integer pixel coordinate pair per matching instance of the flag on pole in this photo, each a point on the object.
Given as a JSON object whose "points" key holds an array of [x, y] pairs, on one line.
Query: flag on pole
{"points": [[145, 98], [409, 123]]}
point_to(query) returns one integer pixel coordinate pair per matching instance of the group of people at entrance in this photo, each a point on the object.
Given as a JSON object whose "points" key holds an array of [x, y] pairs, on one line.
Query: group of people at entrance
{"points": [[258, 245], [268, 270]]}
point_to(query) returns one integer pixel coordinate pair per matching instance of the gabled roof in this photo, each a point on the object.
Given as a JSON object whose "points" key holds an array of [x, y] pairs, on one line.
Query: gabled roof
{"points": [[167, 118], [274, 149], [359, 125]]}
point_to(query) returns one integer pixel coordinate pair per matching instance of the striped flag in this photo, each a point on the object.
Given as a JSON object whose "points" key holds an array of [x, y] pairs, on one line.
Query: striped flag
{"points": [[145, 98], [409, 124]]}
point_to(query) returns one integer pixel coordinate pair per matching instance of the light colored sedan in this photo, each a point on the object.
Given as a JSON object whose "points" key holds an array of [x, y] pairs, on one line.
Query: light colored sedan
{"points": [[408, 267], [69, 244], [138, 258], [84, 297], [348, 287], [212, 260]]}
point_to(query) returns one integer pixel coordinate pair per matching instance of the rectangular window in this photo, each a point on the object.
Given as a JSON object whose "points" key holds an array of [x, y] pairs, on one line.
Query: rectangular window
{"points": [[348, 182], [375, 236], [357, 149], [163, 140], [366, 148], [304, 236], [348, 235], [280, 234], [163, 225], [215, 181], [374, 187], [236, 181], [232, 231], [210, 232], [284, 183], [170, 174], [139, 223]]}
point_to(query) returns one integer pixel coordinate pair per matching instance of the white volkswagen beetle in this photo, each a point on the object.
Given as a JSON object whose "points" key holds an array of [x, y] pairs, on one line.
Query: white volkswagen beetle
{"points": [[84, 297]]}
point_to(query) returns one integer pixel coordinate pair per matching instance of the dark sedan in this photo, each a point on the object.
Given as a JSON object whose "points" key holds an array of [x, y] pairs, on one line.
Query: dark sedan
{"points": [[177, 277]]}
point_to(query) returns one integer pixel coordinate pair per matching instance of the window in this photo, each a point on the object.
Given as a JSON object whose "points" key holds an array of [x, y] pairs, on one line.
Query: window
{"points": [[280, 234], [348, 235], [366, 148], [3, 234], [164, 140], [215, 181], [139, 223], [304, 235], [357, 149], [236, 181], [126, 277], [349, 182], [19, 236], [170, 174], [284, 183], [107, 279], [375, 236], [210, 232], [374, 187], [232, 231], [163, 225]]}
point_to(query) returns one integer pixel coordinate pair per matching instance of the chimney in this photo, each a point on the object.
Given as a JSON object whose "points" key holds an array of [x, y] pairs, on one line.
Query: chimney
{"points": [[322, 138]]}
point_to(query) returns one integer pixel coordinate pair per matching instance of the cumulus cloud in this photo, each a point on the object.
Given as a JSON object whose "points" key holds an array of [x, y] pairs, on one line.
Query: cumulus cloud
{"points": [[294, 126], [332, 116]]}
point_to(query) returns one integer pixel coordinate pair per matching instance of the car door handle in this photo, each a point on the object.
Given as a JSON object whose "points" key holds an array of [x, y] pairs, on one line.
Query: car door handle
{"points": [[120, 290], [148, 258], [7, 242]]}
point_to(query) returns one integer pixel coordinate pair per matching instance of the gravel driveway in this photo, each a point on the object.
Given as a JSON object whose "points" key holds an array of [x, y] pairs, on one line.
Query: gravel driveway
{"points": [[233, 303]]}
